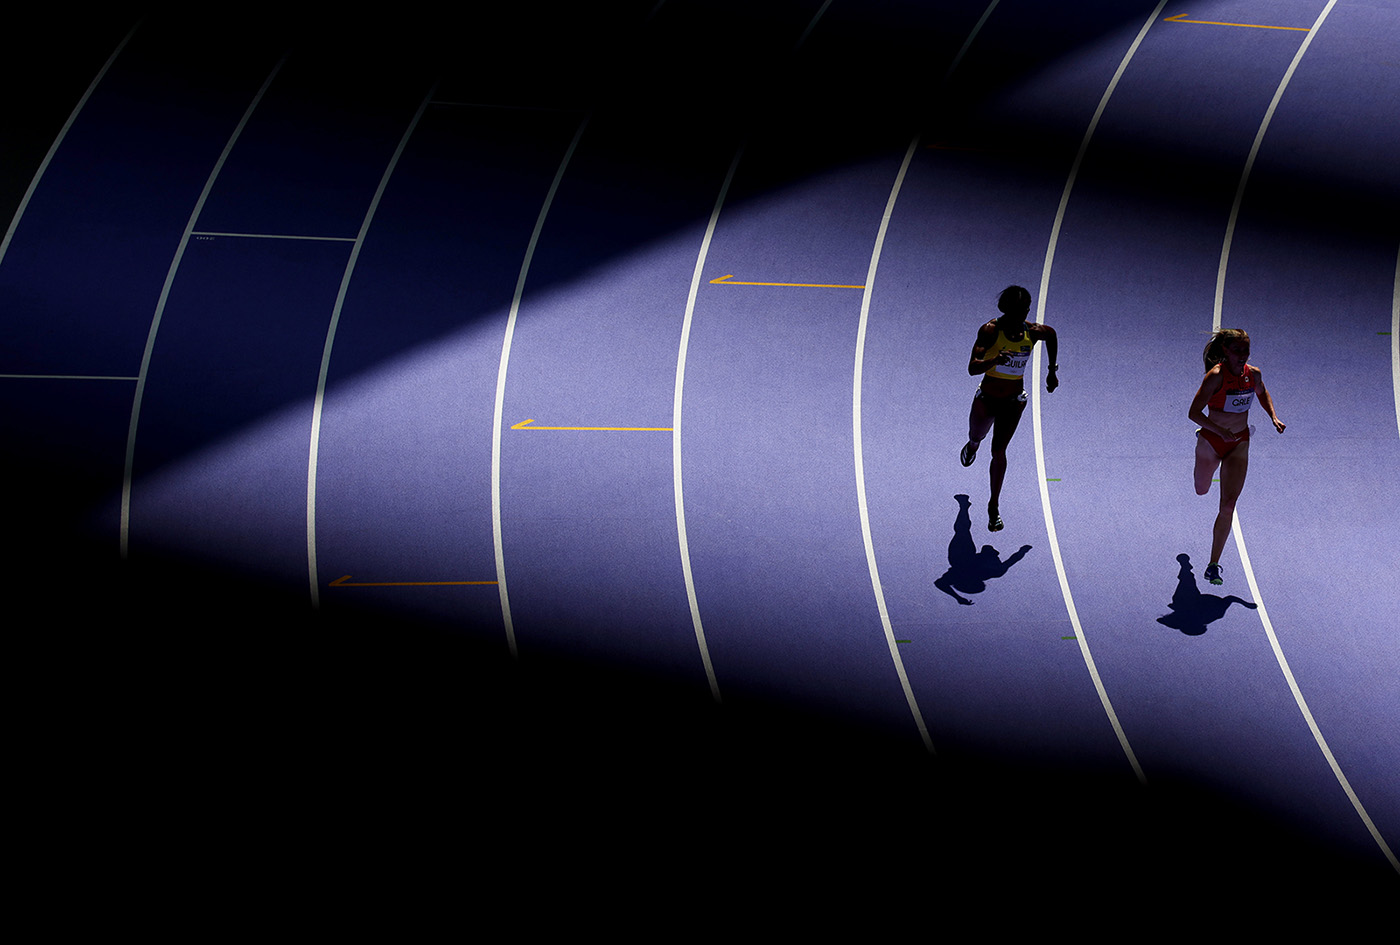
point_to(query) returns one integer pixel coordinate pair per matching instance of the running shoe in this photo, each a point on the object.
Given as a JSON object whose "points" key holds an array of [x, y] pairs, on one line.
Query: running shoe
{"points": [[1213, 574], [968, 454]]}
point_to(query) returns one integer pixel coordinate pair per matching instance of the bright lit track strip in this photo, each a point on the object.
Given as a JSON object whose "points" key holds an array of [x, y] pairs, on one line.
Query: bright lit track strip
{"points": [[1235, 525], [1035, 400], [63, 133], [125, 526], [318, 404], [858, 439], [1253, 154], [499, 414]]}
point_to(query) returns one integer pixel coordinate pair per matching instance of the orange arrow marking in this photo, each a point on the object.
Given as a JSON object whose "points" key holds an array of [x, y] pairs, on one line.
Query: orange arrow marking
{"points": [[527, 425], [1181, 18], [725, 280]]}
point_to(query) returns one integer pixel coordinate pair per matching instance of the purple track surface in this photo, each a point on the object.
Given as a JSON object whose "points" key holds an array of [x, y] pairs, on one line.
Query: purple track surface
{"points": [[548, 438]]}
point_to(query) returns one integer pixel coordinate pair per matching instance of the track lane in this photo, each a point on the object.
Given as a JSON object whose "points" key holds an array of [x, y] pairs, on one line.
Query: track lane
{"points": [[233, 376], [1312, 271]]}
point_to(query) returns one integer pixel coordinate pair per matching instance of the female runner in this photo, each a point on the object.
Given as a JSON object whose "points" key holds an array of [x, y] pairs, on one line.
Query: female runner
{"points": [[1001, 354], [1228, 390]]}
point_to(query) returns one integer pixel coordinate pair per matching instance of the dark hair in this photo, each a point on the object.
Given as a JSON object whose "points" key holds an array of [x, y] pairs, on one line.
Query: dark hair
{"points": [[1214, 352], [1013, 298]]}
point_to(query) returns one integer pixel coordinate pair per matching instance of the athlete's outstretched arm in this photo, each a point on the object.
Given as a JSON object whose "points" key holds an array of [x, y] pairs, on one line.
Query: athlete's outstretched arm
{"points": [[1266, 401]]}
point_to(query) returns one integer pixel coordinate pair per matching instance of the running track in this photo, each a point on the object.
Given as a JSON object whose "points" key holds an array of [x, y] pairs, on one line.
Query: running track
{"points": [[668, 375]]}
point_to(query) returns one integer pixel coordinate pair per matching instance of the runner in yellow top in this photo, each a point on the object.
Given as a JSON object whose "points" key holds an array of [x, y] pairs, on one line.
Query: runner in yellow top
{"points": [[1001, 353]]}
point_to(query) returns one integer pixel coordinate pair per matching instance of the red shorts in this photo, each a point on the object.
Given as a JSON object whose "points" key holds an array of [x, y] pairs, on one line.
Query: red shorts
{"points": [[1224, 448]]}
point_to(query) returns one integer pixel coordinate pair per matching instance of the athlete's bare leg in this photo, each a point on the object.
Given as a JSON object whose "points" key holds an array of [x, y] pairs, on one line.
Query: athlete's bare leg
{"points": [[1005, 428], [1206, 465], [979, 422], [1233, 469]]}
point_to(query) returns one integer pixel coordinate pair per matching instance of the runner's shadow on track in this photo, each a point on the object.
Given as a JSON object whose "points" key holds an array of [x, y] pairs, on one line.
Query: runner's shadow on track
{"points": [[969, 570], [1192, 611]]}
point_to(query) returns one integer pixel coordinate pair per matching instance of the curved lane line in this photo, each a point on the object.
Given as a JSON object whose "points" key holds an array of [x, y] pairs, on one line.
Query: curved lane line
{"points": [[499, 410], [857, 407], [1395, 341], [1253, 154], [858, 440], [1035, 401], [682, 538], [58, 140], [1235, 525], [125, 525], [318, 405], [676, 479], [1303, 704]]}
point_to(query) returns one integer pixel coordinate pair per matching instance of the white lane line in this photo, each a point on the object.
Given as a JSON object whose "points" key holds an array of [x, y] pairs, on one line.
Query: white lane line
{"points": [[857, 409], [318, 405], [682, 538], [1235, 525], [66, 377], [1079, 634], [57, 141], [811, 25], [858, 437], [144, 371], [967, 43], [274, 236], [499, 414], [1302, 703], [1395, 341], [1249, 162], [676, 413]]}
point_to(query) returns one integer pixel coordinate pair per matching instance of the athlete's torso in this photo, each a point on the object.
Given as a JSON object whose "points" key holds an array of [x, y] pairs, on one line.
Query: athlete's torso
{"points": [[1018, 353], [1230, 404], [1236, 393]]}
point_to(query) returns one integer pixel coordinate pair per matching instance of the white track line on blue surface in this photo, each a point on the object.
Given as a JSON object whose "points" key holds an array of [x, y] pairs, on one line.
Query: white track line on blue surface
{"points": [[676, 413], [318, 404], [682, 538], [1238, 532], [858, 439], [1302, 703], [499, 411], [1249, 163], [58, 140], [143, 372], [1079, 634], [1395, 341], [857, 410]]}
